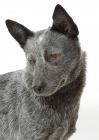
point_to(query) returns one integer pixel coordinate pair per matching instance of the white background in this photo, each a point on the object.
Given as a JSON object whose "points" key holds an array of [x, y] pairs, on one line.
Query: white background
{"points": [[37, 15]]}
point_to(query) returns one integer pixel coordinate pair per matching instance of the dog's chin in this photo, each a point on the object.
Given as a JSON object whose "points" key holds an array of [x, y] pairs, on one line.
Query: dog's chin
{"points": [[44, 94]]}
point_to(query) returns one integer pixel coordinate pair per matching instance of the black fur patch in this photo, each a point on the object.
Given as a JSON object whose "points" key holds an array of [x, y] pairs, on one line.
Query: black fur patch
{"points": [[63, 23], [19, 32]]}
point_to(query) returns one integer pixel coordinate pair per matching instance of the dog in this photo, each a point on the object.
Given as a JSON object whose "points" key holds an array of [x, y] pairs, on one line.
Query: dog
{"points": [[41, 102]]}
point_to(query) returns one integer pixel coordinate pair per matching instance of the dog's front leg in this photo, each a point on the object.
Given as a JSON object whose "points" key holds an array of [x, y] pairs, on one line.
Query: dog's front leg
{"points": [[68, 134], [57, 134]]}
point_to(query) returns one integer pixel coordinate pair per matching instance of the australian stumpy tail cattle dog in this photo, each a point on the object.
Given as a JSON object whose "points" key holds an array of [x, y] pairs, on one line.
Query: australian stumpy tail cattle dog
{"points": [[41, 102]]}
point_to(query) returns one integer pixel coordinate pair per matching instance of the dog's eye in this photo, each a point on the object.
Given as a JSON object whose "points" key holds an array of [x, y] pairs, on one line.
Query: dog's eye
{"points": [[32, 62], [53, 56]]}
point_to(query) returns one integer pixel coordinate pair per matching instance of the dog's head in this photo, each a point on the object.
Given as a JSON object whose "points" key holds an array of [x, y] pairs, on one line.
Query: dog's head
{"points": [[53, 55]]}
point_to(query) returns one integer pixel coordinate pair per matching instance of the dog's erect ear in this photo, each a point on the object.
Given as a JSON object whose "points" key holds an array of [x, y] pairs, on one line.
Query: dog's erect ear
{"points": [[63, 23], [19, 32]]}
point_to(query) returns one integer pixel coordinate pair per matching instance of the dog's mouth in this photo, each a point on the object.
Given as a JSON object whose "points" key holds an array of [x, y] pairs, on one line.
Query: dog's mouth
{"points": [[42, 93], [62, 83]]}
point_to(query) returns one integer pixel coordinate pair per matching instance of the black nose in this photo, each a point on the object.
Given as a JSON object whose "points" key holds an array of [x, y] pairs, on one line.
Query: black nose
{"points": [[39, 87]]}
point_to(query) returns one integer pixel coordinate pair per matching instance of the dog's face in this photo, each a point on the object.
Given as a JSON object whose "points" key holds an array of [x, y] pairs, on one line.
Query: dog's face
{"points": [[51, 54], [50, 59]]}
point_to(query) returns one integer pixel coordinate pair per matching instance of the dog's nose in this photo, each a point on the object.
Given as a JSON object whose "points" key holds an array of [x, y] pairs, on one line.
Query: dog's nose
{"points": [[39, 87]]}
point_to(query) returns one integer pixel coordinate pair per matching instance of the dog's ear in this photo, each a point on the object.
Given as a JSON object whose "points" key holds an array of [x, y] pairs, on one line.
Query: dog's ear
{"points": [[63, 23], [19, 32]]}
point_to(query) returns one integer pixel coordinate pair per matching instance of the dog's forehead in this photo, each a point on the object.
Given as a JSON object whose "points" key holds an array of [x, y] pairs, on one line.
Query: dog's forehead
{"points": [[44, 39], [50, 41], [42, 35]]}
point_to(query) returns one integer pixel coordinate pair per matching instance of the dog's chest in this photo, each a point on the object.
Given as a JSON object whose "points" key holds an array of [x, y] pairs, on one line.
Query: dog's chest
{"points": [[42, 123]]}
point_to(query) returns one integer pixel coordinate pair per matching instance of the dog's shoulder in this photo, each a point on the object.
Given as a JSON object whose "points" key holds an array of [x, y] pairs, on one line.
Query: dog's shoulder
{"points": [[9, 84], [9, 78], [4, 80]]}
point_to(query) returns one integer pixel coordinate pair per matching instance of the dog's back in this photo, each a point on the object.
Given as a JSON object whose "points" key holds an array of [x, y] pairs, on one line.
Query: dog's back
{"points": [[42, 101]]}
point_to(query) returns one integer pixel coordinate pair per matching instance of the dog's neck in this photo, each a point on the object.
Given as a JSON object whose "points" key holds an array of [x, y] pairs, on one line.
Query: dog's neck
{"points": [[65, 98], [77, 69]]}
